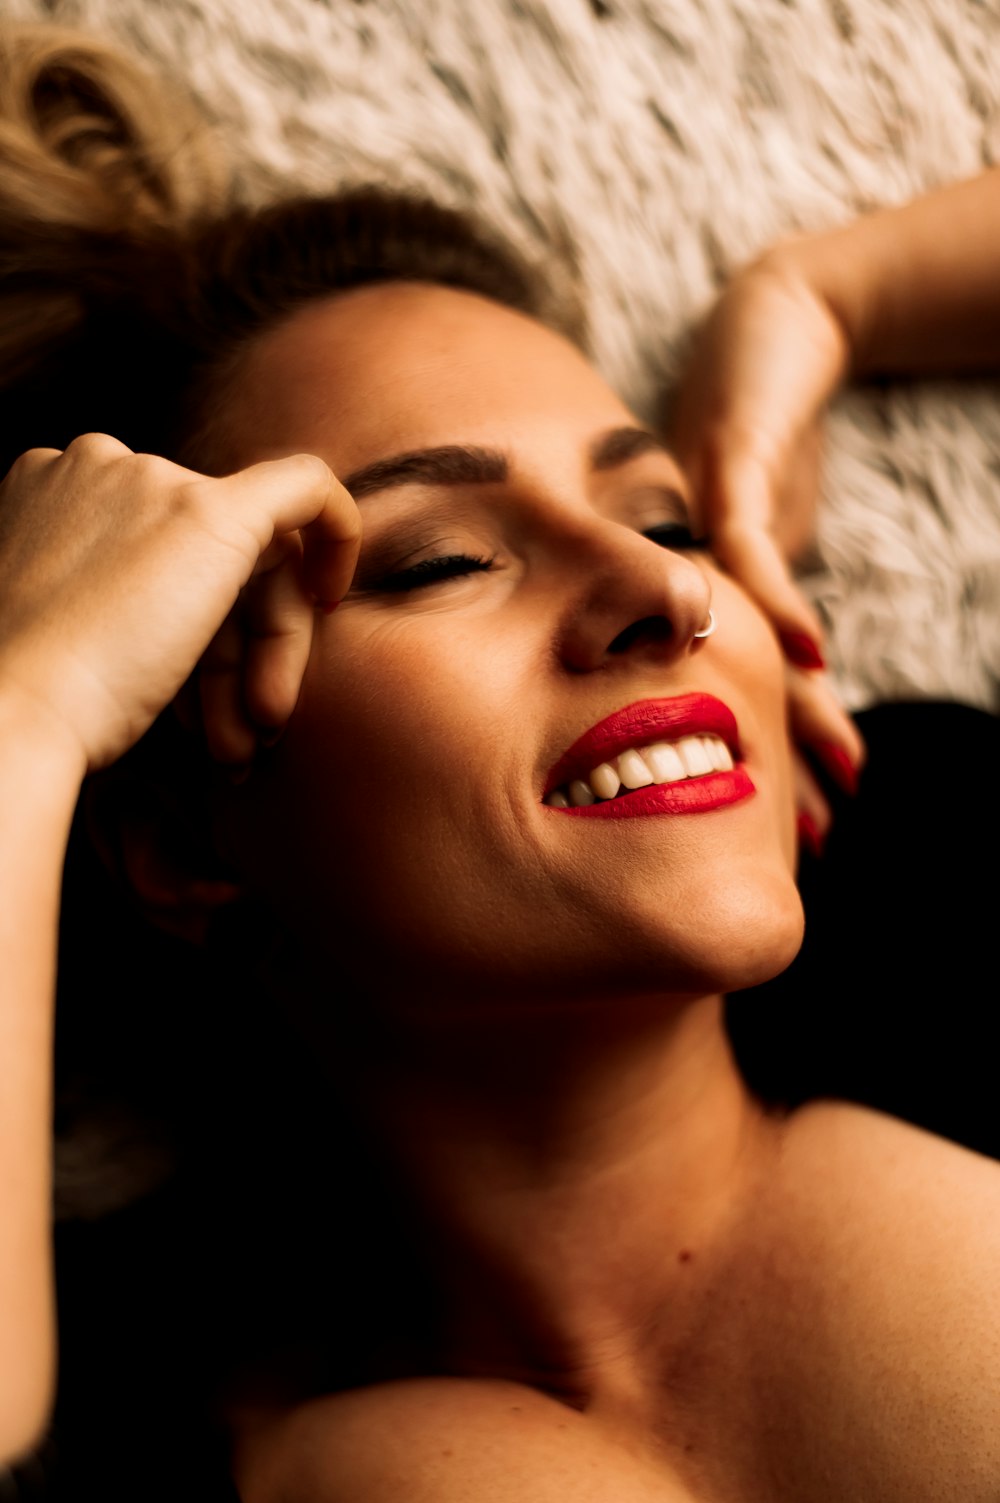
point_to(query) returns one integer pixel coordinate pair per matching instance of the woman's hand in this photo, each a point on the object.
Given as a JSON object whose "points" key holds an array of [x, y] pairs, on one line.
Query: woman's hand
{"points": [[747, 430], [119, 571]]}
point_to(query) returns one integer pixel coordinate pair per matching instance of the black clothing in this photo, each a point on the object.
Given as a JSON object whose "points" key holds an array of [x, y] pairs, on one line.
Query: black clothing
{"points": [[892, 1001]]}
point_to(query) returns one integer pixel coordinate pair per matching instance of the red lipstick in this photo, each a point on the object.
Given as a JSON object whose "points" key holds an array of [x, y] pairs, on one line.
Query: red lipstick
{"points": [[641, 724]]}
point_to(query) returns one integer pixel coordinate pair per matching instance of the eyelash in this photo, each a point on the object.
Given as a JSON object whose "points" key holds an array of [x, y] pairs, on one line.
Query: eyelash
{"points": [[431, 571], [675, 535]]}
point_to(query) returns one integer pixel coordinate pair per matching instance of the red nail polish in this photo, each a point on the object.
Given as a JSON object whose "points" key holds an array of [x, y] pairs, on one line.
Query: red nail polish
{"points": [[810, 837], [839, 765], [801, 650]]}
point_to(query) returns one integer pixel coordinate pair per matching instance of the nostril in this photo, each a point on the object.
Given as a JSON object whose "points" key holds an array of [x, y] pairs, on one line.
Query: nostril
{"points": [[652, 629]]}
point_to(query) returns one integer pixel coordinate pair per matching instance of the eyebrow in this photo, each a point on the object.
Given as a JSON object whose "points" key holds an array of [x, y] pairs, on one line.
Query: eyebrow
{"points": [[619, 445], [468, 464], [450, 464]]}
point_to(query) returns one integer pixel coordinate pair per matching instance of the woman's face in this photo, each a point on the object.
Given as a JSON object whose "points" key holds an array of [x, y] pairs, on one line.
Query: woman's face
{"points": [[522, 580]]}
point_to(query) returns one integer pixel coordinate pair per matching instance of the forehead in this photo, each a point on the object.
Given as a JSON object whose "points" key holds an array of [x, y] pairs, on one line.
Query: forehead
{"points": [[407, 365]]}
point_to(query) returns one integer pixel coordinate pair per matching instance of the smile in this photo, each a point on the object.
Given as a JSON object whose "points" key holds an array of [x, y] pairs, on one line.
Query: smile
{"points": [[668, 756], [663, 762]]}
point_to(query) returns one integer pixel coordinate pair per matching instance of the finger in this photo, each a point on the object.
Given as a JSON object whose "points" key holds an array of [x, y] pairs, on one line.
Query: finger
{"points": [[230, 737], [301, 492], [814, 815], [793, 527], [279, 620], [739, 510], [752, 557], [822, 726]]}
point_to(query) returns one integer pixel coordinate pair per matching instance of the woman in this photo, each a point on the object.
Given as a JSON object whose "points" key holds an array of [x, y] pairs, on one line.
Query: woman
{"points": [[640, 1281]]}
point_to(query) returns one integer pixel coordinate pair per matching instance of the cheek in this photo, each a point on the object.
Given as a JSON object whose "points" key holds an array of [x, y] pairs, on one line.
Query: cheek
{"points": [[403, 708], [400, 765], [396, 822]]}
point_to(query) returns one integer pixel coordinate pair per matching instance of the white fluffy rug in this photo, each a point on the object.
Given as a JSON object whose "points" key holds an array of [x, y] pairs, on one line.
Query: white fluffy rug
{"points": [[664, 141]]}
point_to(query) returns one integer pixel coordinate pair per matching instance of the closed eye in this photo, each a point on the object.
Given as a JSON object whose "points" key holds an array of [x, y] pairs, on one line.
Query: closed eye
{"points": [[437, 570], [430, 571], [674, 535]]}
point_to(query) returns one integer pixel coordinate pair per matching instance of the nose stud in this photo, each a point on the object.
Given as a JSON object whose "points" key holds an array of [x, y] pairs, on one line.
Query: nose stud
{"points": [[708, 628]]}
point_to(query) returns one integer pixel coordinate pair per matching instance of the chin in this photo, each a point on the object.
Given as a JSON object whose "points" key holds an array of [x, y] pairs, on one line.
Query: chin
{"points": [[718, 942], [731, 938]]}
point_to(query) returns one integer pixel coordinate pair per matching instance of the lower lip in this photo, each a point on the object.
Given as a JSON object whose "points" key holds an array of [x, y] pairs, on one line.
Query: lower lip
{"points": [[692, 796]]}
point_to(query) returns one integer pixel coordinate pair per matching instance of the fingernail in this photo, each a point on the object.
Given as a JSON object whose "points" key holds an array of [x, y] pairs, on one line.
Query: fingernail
{"points": [[801, 649], [839, 765], [810, 837]]}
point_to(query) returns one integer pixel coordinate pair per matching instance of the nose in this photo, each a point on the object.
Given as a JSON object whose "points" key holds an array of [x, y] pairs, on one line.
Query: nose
{"points": [[629, 597]]}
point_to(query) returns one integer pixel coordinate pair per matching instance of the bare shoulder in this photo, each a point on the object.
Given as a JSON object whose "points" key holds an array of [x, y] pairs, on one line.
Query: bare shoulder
{"points": [[438, 1440], [926, 1194], [895, 1235]]}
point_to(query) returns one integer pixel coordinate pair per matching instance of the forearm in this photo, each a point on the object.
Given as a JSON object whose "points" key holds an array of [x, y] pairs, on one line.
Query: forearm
{"points": [[916, 289], [40, 776]]}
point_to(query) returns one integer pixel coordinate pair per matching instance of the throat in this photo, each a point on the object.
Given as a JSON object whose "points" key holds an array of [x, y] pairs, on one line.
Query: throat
{"points": [[571, 1206]]}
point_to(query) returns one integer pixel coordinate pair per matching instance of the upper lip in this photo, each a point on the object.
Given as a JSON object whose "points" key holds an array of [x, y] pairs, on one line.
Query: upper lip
{"points": [[640, 724]]}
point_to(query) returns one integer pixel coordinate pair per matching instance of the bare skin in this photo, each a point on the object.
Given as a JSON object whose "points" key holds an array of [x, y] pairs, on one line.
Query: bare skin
{"points": [[838, 1341], [145, 562], [833, 1334], [908, 291], [629, 1246], [652, 1290]]}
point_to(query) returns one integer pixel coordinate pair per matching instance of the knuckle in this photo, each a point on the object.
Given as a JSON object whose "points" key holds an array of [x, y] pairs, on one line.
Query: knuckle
{"points": [[149, 474], [95, 446], [312, 469], [31, 461]]}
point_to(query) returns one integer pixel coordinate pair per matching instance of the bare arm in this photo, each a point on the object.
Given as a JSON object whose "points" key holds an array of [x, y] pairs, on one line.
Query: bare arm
{"points": [[40, 775], [913, 290], [916, 289], [117, 572]]}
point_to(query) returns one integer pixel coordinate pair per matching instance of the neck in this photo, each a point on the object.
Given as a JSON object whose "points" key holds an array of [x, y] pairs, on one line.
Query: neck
{"points": [[573, 1176]]}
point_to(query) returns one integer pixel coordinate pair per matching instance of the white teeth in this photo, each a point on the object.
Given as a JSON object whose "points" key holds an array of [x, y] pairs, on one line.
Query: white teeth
{"points": [[633, 771], [694, 756], [719, 754], [604, 781], [663, 762]]}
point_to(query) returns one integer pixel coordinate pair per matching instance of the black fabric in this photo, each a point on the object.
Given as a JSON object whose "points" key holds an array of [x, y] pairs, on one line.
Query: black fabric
{"points": [[893, 999]]}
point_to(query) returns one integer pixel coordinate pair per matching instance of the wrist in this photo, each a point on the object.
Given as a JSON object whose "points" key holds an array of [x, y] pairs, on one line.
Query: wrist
{"points": [[38, 748], [828, 277]]}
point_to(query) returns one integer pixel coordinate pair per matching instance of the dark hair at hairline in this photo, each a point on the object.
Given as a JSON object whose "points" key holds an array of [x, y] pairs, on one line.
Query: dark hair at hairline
{"points": [[257, 268]]}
